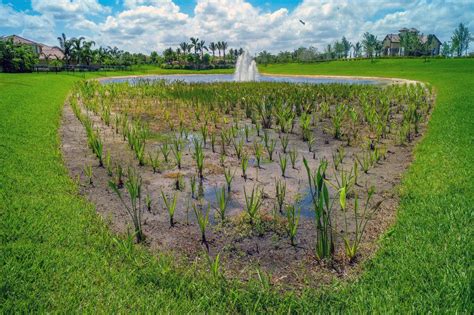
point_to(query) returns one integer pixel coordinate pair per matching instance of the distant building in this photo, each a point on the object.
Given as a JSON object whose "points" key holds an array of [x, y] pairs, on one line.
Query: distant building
{"points": [[391, 43], [44, 52]]}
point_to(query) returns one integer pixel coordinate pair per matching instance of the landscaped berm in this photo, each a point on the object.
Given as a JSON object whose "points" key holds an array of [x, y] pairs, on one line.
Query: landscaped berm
{"points": [[241, 175]]}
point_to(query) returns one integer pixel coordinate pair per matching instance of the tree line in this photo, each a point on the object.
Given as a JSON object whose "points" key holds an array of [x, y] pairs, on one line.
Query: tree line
{"points": [[195, 54], [371, 47]]}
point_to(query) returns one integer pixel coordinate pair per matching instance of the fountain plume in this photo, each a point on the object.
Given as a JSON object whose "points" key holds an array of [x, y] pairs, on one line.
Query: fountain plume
{"points": [[246, 68]]}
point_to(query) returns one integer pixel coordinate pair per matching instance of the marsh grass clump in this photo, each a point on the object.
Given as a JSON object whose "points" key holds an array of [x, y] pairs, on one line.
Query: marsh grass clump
{"points": [[293, 158], [270, 146], [199, 157], [253, 202], [88, 173], [108, 164], [177, 152], [323, 209], [222, 200], [134, 188], [285, 140], [203, 221], [244, 165], [258, 151], [165, 150], [170, 205], [280, 194], [239, 148], [155, 162], [283, 163], [228, 178], [293, 214], [361, 219], [338, 157], [148, 202]]}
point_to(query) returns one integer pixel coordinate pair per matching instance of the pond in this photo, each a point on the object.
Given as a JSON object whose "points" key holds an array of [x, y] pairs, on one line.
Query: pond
{"points": [[210, 78]]}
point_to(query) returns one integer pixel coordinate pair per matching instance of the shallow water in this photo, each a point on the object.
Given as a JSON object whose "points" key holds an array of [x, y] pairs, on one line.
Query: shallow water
{"points": [[210, 78]]}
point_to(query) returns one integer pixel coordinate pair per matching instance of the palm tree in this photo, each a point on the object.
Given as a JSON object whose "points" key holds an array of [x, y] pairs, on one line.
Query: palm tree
{"points": [[219, 48], [224, 47], [213, 48], [346, 45], [76, 48], [357, 48], [86, 52], [202, 47], [195, 44], [184, 47], [65, 45]]}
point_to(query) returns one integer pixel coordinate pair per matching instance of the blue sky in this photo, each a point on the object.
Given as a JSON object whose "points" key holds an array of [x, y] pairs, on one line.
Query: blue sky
{"points": [[147, 25]]}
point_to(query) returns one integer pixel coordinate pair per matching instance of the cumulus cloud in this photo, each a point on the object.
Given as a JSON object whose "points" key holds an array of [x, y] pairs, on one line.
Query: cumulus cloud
{"points": [[146, 25], [66, 9]]}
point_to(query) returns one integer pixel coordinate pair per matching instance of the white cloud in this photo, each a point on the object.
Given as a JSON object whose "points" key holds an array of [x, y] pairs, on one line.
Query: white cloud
{"points": [[146, 25], [67, 9]]}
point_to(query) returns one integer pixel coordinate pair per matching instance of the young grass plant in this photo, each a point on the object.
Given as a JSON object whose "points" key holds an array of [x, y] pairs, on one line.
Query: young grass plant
{"points": [[323, 208], [271, 148], [283, 163], [155, 162], [134, 186], [253, 202], [280, 194], [165, 150], [285, 140], [361, 219], [258, 151], [88, 173], [203, 222], [244, 165], [222, 201], [293, 158], [293, 214], [228, 178], [170, 205], [199, 157]]}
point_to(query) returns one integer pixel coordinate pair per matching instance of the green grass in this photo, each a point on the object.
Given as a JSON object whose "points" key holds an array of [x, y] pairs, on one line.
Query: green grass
{"points": [[57, 255]]}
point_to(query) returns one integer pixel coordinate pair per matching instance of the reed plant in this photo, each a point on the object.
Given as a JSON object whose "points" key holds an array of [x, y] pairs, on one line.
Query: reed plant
{"points": [[88, 173], [165, 150], [222, 201], [228, 178], [244, 163], [258, 151], [283, 163], [323, 209], [199, 157], [293, 158], [253, 202], [155, 162], [203, 221], [170, 205], [284, 143], [361, 219], [134, 186], [293, 213], [280, 194]]}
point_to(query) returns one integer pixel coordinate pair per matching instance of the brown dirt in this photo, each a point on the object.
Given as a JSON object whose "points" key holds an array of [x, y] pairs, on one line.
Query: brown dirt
{"points": [[242, 249]]}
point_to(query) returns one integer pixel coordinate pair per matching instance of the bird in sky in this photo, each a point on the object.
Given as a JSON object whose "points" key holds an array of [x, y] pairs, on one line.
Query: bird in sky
{"points": [[302, 22]]}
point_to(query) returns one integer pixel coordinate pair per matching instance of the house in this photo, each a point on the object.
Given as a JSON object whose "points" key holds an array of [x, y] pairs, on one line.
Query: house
{"points": [[44, 52], [391, 45]]}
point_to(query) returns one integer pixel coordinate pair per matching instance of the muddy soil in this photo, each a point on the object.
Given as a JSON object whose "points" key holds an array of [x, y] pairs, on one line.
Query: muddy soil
{"points": [[242, 248]]}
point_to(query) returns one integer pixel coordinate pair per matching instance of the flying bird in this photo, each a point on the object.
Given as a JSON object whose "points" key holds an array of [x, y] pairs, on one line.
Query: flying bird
{"points": [[302, 22]]}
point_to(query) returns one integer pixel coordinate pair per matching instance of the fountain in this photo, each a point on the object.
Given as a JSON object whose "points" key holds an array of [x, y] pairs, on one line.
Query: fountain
{"points": [[246, 68]]}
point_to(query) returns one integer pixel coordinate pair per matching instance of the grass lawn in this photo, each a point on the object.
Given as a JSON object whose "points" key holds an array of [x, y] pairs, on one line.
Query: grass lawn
{"points": [[57, 255]]}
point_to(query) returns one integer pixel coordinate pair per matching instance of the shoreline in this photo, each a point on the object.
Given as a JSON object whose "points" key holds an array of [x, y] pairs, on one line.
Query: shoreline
{"points": [[315, 76]]}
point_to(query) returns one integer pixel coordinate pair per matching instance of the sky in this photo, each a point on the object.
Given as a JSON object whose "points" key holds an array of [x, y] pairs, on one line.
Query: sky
{"points": [[256, 25]]}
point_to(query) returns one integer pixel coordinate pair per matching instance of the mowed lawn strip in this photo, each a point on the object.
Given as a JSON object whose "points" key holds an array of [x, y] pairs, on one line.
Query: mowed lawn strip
{"points": [[57, 254]]}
